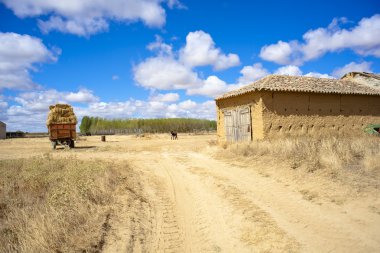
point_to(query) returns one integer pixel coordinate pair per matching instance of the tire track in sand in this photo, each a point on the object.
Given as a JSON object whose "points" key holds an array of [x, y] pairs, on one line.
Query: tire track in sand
{"points": [[317, 228], [188, 217]]}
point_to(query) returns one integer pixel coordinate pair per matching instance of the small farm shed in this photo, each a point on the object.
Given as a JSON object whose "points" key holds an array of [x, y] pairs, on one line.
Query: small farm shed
{"points": [[293, 105], [3, 130]]}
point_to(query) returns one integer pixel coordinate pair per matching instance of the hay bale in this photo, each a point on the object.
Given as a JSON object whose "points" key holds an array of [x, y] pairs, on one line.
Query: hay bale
{"points": [[61, 114]]}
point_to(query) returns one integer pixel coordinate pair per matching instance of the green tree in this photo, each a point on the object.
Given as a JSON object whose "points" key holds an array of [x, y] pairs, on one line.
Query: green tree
{"points": [[85, 125]]}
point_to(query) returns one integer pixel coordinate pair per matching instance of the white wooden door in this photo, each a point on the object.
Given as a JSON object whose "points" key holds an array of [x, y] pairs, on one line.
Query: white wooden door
{"points": [[244, 124], [229, 125], [237, 124]]}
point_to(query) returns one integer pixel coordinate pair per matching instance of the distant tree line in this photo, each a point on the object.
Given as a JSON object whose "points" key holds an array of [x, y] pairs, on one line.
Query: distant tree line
{"points": [[96, 125]]}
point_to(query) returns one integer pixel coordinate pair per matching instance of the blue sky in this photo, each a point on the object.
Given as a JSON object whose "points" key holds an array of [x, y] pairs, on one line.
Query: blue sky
{"points": [[151, 58]]}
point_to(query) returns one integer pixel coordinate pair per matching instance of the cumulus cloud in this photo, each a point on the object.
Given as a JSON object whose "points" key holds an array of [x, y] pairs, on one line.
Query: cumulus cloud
{"points": [[176, 4], [78, 26], [165, 73], [292, 70], [19, 55], [28, 110], [3, 108], [211, 87], [252, 73], [363, 39], [149, 109], [289, 70], [319, 75], [279, 53], [82, 96], [86, 17], [200, 50], [175, 69], [352, 66], [40, 100], [168, 97], [160, 47]]}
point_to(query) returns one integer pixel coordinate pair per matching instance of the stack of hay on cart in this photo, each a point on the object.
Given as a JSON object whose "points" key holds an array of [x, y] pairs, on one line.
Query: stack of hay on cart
{"points": [[61, 114]]}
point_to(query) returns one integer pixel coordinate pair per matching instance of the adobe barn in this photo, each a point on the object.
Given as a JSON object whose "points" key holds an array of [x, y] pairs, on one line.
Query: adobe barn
{"points": [[293, 105]]}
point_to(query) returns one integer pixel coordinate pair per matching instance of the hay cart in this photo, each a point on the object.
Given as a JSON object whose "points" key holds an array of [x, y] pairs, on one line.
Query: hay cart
{"points": [[62, 134]]}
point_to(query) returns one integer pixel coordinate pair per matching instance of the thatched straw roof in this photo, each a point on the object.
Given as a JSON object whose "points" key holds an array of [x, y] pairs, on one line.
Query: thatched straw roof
{"points": [[304, 84]]}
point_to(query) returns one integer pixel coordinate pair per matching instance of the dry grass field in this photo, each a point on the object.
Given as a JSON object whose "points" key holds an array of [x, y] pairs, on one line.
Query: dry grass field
{"points": [[151, 194]]}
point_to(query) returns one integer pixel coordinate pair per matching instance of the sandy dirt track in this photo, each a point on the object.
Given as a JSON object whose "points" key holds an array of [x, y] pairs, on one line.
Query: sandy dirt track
{"points": [[189, 199]]}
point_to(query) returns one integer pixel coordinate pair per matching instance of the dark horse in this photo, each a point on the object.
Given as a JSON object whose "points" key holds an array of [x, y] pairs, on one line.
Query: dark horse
{"points": [[174, 135]]}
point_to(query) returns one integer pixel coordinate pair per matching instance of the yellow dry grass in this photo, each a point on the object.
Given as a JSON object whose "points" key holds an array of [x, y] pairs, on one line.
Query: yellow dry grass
{"points": [[55, 205], [317, 165]]}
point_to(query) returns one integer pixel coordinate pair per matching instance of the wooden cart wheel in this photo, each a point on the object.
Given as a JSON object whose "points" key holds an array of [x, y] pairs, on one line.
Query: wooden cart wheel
{"points": [[67, 144], [72, 144]]}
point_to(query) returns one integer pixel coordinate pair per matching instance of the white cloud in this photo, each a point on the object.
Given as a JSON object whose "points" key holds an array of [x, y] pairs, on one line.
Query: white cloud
{"points": [[3, 108], [290, 70], [187, 105], [78, 26], [168, 97], [39, 101], [255, 72], [252, 73], [174, 70], [160, 47], [82, 96], [191, 109], [176, 4], [352, 66], [211, 87], [279, 53], [115, 77], [86, 17], [19, 55], [362, 39], [29, 110], [174, 75], [200, 50], [319, 75], [165, 73]]}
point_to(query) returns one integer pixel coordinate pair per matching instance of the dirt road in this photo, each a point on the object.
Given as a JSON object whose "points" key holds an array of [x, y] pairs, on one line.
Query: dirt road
{"points": [[187, 199]]}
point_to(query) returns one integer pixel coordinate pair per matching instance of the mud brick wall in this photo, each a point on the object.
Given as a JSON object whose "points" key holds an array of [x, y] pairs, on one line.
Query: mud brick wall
{"points": [[296, 113], [291, 113]]}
